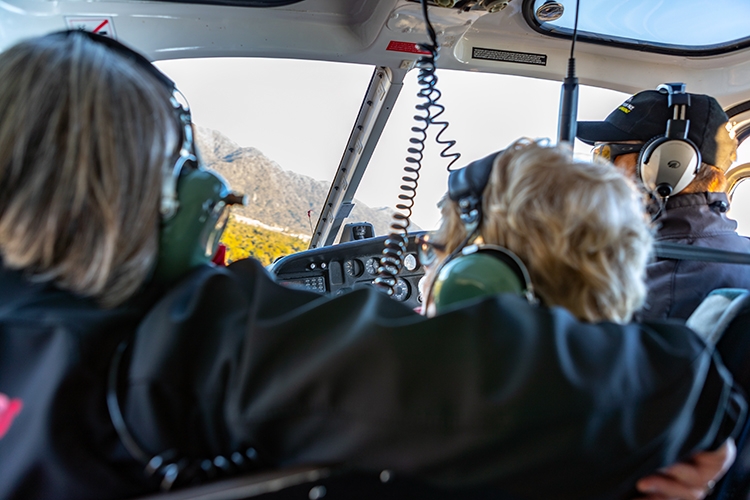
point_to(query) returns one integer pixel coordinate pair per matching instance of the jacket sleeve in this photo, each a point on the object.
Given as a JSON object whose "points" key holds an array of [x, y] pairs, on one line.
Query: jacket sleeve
{"points": [[503, 393]]}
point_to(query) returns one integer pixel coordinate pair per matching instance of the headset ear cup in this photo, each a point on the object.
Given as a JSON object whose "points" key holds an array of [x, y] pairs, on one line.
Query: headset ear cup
{"points": [[470, 276], [648, 172], [667, 166], [488, 269], [191, 236]]}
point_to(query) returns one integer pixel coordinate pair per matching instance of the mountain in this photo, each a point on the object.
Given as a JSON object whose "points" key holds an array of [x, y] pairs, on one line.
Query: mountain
{"points": [[277, 198]]}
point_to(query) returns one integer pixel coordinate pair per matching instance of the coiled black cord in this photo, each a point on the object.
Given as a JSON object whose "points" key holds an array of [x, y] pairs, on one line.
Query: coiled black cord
{"points": [[391, 262], [170, 468]]}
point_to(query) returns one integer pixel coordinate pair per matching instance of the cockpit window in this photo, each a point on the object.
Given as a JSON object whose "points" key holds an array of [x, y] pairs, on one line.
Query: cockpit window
{"points": [[740, 206], [480, 123], [667, 26], [275, 129]]}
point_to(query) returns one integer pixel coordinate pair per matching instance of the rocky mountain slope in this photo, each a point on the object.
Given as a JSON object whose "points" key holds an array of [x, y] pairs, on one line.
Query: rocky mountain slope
{"points": [[277, 198]]}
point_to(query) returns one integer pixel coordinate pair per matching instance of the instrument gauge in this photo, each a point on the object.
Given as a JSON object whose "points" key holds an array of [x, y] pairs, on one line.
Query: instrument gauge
{"points": [[410, 262], [401, 291], [353, 268], [371, 266]]}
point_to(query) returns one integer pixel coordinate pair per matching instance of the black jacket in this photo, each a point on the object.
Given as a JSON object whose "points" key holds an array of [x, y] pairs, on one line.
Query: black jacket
{"points": [[677, 287], [523, 398], [55, 350]]}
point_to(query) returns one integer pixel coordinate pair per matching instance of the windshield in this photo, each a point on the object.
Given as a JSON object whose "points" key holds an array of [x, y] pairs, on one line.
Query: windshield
{"points": [[686, 25], [740, 207], [279, 138], [481, 122], [275, 129]]}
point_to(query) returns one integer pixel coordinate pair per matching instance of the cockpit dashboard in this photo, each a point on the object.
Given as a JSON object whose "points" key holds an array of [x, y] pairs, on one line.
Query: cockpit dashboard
{"points": [[338, 269]]}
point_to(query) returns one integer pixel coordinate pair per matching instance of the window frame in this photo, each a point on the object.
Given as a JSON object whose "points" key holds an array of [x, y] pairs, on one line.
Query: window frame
{"points": [[630, 43]]}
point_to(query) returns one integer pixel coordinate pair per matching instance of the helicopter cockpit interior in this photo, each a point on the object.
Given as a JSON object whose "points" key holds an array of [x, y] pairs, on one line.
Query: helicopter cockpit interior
{"points": [[381, 99]]}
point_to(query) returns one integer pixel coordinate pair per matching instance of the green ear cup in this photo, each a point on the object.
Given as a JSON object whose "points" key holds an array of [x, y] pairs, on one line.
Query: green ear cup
{"points": [[474, 275], [191, 236]]}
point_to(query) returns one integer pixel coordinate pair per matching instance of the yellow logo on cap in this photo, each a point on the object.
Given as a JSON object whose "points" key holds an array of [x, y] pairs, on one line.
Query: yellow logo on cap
{"points": [[626, 107]]}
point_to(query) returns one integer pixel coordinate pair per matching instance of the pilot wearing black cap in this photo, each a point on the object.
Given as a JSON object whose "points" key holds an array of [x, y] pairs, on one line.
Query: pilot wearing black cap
{"points": [[679, 146]]}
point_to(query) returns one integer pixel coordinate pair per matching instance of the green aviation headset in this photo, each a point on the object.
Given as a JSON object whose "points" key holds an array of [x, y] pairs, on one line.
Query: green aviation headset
{"points": [[475, 270], [480, 270], [193, 208], [194, 200]]}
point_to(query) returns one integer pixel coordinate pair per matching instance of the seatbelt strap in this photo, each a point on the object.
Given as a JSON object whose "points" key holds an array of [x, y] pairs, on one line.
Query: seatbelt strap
{"points": [[680, 251]]}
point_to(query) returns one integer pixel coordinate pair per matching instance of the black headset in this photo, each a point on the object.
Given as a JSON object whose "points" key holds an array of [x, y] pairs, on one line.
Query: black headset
{"points": [[466, 188], [668, 163], [193, 199]]}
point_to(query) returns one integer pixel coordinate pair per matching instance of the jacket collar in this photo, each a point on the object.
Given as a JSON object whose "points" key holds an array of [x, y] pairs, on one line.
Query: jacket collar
{"points": [[713, 200], [18, 292], [695, 215]]}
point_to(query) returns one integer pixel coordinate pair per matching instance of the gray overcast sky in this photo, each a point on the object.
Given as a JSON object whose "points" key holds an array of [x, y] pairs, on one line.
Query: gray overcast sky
{"points": [[300, 114]]}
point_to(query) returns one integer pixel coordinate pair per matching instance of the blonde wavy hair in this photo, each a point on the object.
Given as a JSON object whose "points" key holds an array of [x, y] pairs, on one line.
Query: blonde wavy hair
{"points": [[84, 137], [580, 228]]}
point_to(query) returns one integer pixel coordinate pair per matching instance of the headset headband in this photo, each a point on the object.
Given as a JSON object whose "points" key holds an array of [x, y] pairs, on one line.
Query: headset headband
{"points": [[466, 186], [169, 198], [678, 101], [124, 51]]}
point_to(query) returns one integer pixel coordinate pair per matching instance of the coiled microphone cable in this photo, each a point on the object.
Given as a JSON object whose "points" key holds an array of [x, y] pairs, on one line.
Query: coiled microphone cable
{"points": [[391, 261]]}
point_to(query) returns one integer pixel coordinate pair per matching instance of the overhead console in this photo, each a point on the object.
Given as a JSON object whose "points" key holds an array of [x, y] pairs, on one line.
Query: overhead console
{"points": [[339, 269]]}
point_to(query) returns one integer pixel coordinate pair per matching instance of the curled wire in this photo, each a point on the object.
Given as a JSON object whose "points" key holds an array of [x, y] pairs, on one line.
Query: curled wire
{"points": [[170, 468], [429, 109]]}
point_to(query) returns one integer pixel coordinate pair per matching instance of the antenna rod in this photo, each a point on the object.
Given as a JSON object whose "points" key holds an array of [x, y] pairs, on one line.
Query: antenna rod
{"points": [[567, 122]]}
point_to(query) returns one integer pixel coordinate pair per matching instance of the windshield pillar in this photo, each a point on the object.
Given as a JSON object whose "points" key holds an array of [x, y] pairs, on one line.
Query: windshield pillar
{"points": [[373, 114]]}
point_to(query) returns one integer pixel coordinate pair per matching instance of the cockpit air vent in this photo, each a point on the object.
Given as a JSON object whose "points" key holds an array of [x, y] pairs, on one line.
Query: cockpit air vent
{"points": [[467, 5]]}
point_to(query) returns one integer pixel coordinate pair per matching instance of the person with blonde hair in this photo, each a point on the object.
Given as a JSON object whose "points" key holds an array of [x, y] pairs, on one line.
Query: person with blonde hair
{"points": [[572, 233], [130, 363], [578, 227]]}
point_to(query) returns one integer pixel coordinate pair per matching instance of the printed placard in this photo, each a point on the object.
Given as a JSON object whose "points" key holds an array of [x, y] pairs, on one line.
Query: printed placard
{"points": [[509, 56]]}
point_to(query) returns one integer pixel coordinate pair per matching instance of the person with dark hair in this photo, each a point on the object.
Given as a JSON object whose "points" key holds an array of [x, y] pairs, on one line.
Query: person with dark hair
{"points": [[128, 363], [694, 210]]}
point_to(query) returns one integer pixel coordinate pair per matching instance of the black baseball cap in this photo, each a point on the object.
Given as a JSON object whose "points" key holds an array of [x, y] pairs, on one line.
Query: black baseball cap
{"points": [[644, 116]]}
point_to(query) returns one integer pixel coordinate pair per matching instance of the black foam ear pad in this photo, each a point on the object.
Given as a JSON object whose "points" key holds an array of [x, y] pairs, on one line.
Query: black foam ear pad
{"points": [[667, 166]]}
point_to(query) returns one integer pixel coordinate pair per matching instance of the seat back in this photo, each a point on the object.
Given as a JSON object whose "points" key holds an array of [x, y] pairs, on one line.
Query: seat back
{"points": [[723, 320]]}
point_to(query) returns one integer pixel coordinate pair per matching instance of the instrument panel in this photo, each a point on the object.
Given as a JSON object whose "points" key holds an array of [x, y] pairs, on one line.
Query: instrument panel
{"points": [[339, 269]]}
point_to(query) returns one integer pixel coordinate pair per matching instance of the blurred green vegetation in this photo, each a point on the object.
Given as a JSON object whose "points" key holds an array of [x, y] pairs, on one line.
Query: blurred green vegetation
{"points": [[246, 240]]}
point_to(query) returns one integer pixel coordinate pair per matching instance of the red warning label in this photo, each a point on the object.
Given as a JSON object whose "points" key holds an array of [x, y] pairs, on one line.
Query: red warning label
{"points": [[100, 25], [410, 47]]}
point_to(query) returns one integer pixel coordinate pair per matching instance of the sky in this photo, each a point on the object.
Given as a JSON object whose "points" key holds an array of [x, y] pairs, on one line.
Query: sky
{"points": [[673, 22], [300, 114]]}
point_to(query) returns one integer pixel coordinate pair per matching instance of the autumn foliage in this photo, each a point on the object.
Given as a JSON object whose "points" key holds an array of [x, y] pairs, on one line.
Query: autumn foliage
{"points": [[246, 240]]}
